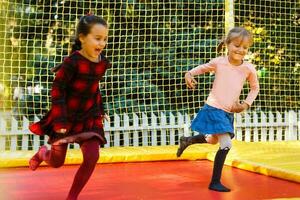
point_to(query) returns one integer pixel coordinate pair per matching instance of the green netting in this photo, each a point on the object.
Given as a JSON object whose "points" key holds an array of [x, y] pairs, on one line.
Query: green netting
{"points": [[151, 45], [276, 51]]}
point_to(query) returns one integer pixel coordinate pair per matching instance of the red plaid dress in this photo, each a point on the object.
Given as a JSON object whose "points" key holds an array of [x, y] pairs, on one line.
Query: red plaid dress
{"points": [[76, 101]]}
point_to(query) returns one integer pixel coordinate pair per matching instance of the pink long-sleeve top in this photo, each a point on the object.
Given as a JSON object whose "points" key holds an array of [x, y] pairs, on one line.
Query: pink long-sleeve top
{"points": [[229, 81]]}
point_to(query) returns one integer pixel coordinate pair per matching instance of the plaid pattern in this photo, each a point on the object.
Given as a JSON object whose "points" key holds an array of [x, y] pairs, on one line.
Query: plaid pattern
{"points": [[76, 100]]}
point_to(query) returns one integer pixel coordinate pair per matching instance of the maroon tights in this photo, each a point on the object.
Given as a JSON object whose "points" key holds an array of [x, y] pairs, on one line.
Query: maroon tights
{"points": [[90, 150]]}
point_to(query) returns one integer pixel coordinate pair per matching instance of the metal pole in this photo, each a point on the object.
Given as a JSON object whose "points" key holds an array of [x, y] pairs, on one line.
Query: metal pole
{"points": [[229, 15]]}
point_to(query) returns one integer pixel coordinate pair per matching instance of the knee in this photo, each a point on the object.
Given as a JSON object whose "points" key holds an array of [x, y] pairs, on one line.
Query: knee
{"points": [[225, 142], [226, 146], [56, 157], [211, 139]]}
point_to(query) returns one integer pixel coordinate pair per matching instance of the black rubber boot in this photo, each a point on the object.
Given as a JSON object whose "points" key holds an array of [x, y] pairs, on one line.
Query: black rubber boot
{"points": [[184, 142], [215, 183]]}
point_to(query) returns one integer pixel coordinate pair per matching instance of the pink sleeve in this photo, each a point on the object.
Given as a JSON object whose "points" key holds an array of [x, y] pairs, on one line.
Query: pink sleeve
{"points": [[254, 86], [207, 67]]}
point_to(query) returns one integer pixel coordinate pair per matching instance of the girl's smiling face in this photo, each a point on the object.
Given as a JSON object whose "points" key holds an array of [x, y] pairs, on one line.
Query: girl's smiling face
{"points": [[237, 49], [93, 43]]}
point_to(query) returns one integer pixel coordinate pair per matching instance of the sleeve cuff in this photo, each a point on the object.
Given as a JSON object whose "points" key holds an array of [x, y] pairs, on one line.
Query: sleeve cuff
{"points": [[246, 102]]}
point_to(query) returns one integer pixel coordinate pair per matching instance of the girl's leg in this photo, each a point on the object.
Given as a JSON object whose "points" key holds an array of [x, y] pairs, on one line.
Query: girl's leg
{"points": [[212, 139], [184, 142], [90, 151], [54, 157], [225, 145]]}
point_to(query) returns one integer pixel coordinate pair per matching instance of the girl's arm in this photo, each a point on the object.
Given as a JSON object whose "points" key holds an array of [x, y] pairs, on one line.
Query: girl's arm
{"points": [[58, 96], [201, 69], [238, 107], [254, 87], [100, 103]]}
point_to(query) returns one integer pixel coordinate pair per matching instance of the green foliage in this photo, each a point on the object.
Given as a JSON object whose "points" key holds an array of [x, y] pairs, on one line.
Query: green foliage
{"points": [[276, 30], [151, 44]]}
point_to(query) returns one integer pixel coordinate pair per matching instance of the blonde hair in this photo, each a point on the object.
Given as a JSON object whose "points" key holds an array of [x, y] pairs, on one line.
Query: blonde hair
{"points": [[236, 32]]}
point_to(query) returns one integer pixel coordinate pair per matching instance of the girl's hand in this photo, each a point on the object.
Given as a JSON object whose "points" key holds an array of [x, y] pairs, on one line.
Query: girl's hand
{"points": [[106, 117], [238, 107], [62, 131], [190, 81]]}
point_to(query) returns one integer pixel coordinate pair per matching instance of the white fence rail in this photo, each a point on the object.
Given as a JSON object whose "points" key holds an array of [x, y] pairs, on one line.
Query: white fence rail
{"points": [[164, 129]]}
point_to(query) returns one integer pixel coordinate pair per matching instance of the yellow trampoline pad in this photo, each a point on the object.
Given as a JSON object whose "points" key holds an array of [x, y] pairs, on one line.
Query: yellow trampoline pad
{"points": [[276, 159]]}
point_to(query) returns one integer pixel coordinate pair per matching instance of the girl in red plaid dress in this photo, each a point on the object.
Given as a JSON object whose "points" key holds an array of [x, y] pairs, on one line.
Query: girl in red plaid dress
{"points": [[77, 112]]}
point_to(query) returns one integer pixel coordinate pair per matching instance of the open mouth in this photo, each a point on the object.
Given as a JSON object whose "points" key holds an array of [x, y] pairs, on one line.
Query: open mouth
{"points": [[98, 50], [239, 54]]}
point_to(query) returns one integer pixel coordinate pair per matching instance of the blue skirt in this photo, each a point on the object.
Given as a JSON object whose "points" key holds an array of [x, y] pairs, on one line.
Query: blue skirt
{"points": [[211, 120]]}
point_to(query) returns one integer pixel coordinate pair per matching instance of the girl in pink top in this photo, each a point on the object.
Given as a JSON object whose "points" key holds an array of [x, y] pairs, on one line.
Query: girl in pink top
{"points": [[214, 121]]}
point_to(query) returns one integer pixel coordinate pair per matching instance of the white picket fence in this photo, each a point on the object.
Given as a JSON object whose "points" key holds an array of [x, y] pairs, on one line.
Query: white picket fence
{"points": [[164, 129]]}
